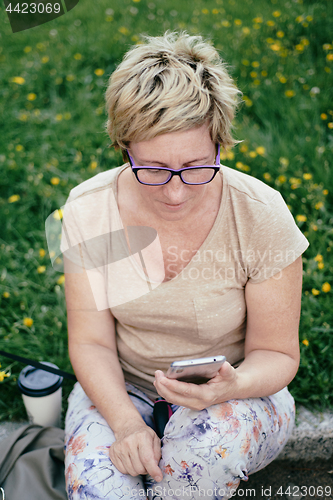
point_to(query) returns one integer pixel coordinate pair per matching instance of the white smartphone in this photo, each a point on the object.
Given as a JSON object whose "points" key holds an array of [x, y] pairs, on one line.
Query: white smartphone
{"points": [[195, 371]]}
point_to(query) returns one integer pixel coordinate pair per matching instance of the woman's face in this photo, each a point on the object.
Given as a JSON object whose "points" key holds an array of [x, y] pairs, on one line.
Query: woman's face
{"points": [[175, 200]]}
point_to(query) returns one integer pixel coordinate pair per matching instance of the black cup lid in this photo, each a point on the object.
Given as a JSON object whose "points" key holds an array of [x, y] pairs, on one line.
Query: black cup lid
{"points": [[38, 383]]}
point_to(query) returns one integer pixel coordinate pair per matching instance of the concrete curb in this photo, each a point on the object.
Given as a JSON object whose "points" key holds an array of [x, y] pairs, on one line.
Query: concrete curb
{"points": [[312, 437]]}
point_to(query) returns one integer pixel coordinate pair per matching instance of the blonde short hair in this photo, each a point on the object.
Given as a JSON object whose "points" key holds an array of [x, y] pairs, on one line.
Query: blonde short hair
{"points": [[170, 83]]}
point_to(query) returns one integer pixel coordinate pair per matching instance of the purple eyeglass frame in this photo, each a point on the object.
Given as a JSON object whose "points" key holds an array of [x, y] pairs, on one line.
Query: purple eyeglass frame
{"points": [[173, 172]]}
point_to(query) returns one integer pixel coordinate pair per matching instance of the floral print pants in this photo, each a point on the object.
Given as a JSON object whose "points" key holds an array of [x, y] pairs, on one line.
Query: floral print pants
{"points": [[205, 454]]}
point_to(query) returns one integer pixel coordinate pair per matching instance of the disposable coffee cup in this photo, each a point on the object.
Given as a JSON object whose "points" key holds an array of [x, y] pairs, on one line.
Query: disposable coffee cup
{"points": [[41, 392]]}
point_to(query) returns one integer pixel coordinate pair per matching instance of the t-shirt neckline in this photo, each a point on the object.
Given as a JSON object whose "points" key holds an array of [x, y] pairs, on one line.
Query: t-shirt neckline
{"points": [[224, 196]]}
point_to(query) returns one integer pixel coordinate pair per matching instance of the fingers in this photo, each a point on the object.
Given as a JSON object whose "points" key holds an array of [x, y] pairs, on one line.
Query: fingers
{"points": [[148, 460], [138, 454]]}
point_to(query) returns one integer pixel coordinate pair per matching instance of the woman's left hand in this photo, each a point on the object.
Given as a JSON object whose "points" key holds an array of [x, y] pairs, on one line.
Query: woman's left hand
{"points": [[199, 396]]}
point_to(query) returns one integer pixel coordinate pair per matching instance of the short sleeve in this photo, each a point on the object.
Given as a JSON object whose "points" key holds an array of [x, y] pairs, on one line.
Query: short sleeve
{"points": [[276, 241]]}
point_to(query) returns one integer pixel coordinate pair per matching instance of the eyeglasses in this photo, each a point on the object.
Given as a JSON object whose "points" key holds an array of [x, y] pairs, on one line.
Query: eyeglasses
{"points": [[157, 176]]}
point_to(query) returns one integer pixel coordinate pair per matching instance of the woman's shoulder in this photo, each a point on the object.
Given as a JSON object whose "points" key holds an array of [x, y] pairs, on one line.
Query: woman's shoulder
{"points": [[103, 180], [245, 188]]}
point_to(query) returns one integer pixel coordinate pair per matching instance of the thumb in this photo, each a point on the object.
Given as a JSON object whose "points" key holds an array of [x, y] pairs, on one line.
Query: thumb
{"points": [[226, 370]]}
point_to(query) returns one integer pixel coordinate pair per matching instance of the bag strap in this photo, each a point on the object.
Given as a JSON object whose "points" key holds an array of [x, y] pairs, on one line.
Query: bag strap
{"points": [[38, 365]]}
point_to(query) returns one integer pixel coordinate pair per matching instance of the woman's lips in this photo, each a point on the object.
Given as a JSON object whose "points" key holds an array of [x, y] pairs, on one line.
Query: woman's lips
{"points": [[174, 207]]}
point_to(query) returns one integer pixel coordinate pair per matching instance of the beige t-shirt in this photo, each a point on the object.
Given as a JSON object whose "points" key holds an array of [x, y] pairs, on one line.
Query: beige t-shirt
{"points": [[202, 311]]}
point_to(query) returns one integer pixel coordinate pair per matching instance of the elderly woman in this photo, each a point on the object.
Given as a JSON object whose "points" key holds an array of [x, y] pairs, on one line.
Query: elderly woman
{"points": [[178, 257]]}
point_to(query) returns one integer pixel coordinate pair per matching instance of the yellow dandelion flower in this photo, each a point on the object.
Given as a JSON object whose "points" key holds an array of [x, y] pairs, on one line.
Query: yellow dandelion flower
{"points": [[257, 20], [55, 181], [57, 215], [225, 23], [275, 46], [307, 177], [270, 23], [239, 164], [245, 62], [283, 79], [58, 117], [284, 161], [61, 280], [42, 252], [260, 150], [248, 101], [329, 57], [290, 93], [327, 46], [321, 265], [14, 198], [280, 34], [230, 155], [252, 154], [295, 180], [23, 117], [305, 41], [282, 178], [6, 295], [19, 147], [256, 64], [305, 342], [309, 18], [301, 218], [136, 1], [253, 74], [31, 96], [99, 72], [215, 11], [246, 30], [326, 287], [205, 11], [276, 13], [318, 258], [267, 176], [27, 49], [238, 22], [314, 227], [41, 269], [330, 125], [325, 192], [323, 116], [315, 291], [123, 30], [67, 116], [77, 56], [93, 165], [45, 59], [319, 205], [58, 80], [299, 47], [70, 78], [28, 322], [243, 148], [18, 79], [3, 375]]}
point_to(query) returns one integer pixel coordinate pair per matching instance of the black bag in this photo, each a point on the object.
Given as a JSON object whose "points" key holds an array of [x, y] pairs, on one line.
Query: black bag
{"points": [[32, 464]]}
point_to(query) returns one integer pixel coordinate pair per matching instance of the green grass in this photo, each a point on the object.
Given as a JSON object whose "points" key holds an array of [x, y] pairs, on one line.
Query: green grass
{"points": [[52, 138]]}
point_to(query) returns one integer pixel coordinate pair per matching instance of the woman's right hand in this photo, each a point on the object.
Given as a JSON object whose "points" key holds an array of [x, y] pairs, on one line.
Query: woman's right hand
{"points": [[137, 450]]}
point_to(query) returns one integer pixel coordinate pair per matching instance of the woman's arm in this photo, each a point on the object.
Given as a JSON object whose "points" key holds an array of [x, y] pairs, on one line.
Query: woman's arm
{"points": [[271, 347], [93, 354]]}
